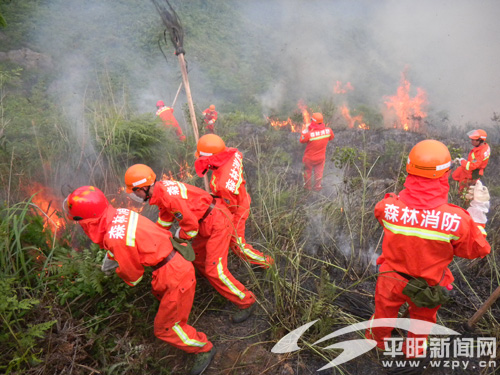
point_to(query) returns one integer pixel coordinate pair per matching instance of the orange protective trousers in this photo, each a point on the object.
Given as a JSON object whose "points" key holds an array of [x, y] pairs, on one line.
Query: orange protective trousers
{"points": [[389, 298], [313, 166], [174, 286], [211, 247], [464, 178], [239, 245]]}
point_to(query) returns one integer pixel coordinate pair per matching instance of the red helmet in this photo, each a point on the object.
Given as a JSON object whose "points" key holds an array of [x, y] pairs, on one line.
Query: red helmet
{"points": [[429, 158], [160, 103], [317, 117], [477, 134], [86, 202], [212, 107]]}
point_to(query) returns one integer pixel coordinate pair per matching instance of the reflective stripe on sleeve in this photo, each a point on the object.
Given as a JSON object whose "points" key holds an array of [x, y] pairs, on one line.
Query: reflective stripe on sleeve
{"points": [[240, 180], [227, 282], [419, 232], [110, 254], [481, 228], [192, 233], [320, 137], [132, 226], [134, 283], [249, 253], [164, 223], [183, 190], [213, 184], [185, 338], [467, 165]]}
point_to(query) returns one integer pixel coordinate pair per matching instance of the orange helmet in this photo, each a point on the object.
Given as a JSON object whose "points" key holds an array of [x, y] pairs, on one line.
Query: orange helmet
{"points": [[137, 176], [317, 117], [429, 158], [212, 107], [86, 202], [477, 134], [160, 103], [210, 144]]}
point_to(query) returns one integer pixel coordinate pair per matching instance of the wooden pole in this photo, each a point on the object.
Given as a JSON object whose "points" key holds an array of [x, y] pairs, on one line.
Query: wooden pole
{"points": [[176, 95], [185, 80], [192, 113], [483, 309]]}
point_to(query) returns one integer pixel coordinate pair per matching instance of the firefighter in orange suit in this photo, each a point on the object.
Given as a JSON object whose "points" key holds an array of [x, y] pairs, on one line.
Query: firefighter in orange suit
{"points": [[470, 170], [210, 116], [166, 114], [204, 220], [317, 136], [422, 234], [134, 242], [228, 183]]}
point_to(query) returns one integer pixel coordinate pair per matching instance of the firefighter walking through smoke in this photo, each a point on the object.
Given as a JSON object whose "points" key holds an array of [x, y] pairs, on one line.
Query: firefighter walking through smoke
{"points": [[204, 220], [166, 114], [472, 169], [132, 243], [228, 183], [210, 117], [317, 136], [422, 234]]}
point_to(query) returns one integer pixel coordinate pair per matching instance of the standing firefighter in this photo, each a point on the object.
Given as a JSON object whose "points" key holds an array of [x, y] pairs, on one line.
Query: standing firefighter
{"points": [[166, 114], [204, 220], [470, 170], [228, 183], [210, 116], [134, 242], [317, 136], [422, 234]]}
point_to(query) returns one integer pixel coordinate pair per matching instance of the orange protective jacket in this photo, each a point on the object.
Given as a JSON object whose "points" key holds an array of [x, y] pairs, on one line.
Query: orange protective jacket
{"points": [[182, 202], [317, 137], [421, 242], [478, 159], [130, 239], [209, 115], [166, 114], [228, 182]]}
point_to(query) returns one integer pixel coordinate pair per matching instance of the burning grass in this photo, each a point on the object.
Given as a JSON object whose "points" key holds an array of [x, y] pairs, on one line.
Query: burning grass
{"points": [[324, 246]]}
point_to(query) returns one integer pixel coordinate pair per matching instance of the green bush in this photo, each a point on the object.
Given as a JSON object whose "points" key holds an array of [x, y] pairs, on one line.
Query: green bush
{"points": [[18, 337]]}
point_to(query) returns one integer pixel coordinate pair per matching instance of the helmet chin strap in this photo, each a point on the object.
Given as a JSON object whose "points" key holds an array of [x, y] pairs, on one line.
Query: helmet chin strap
{"points": [[146, 190], [146, 198]]}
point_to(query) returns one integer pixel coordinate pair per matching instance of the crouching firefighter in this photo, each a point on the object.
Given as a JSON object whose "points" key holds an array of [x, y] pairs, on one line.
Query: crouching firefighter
{"points": [[422, 234], [133, 242], [202, 219], [228, 183]]}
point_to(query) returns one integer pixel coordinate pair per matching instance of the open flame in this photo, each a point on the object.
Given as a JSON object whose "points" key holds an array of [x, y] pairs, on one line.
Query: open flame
{"points": [[408, 111], [294, 127], [50, 204], [352, 120], [122, 200], [184, 174], [338, 89]]}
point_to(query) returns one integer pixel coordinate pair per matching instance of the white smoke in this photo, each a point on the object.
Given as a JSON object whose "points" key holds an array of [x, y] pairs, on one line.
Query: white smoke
{"points": [[448, 46]]}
